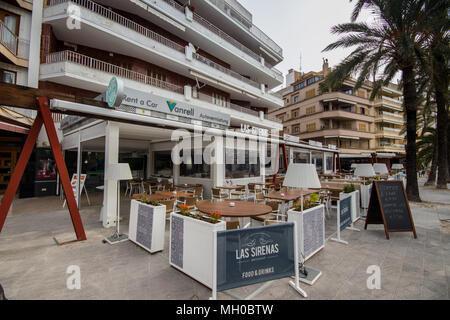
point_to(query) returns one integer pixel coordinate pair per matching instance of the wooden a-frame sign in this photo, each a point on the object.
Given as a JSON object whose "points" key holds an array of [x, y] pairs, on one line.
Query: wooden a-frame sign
{"points": [[389, 206]]}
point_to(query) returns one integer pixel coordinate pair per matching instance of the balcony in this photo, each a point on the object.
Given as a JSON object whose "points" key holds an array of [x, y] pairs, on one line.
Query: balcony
{"points": [[236, 12], [13, 48], [391, 118], [105, 29], [389, 103], [26, 4], [80, 71], [345, 133], [194, 28]]}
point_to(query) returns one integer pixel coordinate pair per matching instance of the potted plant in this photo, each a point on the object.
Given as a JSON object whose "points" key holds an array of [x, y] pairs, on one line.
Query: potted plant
{"points": [[192, 242], [350, 189], [147, 224], [310, 225]]}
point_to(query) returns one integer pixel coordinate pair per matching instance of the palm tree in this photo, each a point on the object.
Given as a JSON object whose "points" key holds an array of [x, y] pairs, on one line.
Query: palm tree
{"points": [[439, 52], [394, 44]]}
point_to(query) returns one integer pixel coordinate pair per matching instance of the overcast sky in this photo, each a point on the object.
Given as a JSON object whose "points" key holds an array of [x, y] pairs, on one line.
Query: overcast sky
{"points": [[302, 26]]}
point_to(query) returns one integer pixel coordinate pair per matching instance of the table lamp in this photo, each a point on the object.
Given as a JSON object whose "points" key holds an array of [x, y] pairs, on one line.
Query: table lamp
{"points": [[397, 166], [364, 170], [117, 172], [302, 176], [380, 168]]}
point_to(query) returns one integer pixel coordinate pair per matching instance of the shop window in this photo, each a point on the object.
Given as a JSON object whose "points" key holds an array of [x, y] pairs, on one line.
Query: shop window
{"points": [[188, 168], [163, 163], [8, 76], [245, 170]]}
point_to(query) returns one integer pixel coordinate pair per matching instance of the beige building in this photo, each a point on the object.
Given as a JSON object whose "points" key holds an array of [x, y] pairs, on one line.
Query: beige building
{"points": [[348, 119]]}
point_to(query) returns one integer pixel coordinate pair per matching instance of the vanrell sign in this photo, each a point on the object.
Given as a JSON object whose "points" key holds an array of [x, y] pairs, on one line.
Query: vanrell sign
{"points": [[144, 101], [252, 255]]}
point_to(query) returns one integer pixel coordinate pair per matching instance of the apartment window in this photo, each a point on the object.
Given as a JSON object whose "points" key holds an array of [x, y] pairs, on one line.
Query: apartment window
{"points": [[362, 127], [219, 100], [296, 99], [310, 81], [349, 91], [281, 117], [155, 74], [311, 127], [363, 111], [299, 86], [310, 110], [7, 76], [296, 129], [295, 113], [310, 93]]}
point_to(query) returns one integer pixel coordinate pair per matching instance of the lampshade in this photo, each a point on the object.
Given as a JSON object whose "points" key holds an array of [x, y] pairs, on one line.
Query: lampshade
{"points": [[118, 171], [364, 170], [354, 165], [380, 168], [302, 175], [397, 166]]}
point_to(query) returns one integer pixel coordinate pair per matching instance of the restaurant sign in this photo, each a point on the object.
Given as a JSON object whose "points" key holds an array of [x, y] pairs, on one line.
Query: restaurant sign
{"points": [[144, 101], [252, 255]]}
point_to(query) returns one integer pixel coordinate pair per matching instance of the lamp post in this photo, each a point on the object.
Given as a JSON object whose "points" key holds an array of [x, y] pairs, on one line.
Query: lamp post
{"points": [[118, 172]]}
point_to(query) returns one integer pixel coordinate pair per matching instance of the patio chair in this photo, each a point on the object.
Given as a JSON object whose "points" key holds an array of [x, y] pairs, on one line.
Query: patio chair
{"points": [[170, 204], [232, 225], [259, 197], [252, 191], [191, 202], [239, 193], [198, 192], [262, 220], [217, 194]]}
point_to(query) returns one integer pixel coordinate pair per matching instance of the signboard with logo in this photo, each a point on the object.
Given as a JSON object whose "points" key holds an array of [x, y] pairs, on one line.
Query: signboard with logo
{"points": [[114, 92], [253, 255], [145, 101], [74, 183]]}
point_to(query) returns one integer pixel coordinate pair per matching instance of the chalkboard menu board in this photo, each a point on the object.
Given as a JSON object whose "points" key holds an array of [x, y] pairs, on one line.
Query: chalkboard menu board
{"points": [[389, 205]]}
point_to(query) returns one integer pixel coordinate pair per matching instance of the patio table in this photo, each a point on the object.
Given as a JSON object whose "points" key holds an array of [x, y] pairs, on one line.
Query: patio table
{"points": [[241, 209]]}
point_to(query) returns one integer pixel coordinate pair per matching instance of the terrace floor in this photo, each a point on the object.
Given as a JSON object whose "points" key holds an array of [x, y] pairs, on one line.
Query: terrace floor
{"points": [[32, 266]]}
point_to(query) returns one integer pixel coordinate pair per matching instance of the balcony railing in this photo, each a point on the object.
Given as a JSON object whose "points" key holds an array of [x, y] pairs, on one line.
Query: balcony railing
{"points": [[225, 70], [73, 57], [239, 17], [111, 15], [18, 47]]}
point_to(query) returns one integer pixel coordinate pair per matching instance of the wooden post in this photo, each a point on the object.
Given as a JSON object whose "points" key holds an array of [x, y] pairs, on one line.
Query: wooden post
{"points": [[61, 166]]}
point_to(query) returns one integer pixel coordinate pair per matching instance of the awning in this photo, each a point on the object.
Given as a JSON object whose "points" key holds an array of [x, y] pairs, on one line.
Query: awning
{"points": [[350, 155], [385, 155]]}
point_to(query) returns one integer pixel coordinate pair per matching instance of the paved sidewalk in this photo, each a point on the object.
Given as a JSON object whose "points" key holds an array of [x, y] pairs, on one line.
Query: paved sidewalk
{"points": [[33, 267]]}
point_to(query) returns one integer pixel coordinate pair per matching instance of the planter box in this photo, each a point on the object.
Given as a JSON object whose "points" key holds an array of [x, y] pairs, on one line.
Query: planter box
{"points": [[310, 230], [191, 247], [356, 214], [147, 226]]}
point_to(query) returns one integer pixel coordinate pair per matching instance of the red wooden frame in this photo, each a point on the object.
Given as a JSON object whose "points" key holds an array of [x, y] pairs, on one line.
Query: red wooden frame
{"points": [[43, 117]]}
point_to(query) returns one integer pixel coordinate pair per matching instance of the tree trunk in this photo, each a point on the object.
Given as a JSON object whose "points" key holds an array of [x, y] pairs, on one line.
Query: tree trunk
{"points": [[411, 102], [440, 85], [448, 147], [442, 128], [432, 177]]}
